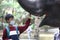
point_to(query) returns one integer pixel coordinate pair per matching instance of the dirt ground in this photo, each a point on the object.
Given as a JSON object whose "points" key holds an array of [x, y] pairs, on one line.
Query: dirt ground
{"points": [[42, 36]]}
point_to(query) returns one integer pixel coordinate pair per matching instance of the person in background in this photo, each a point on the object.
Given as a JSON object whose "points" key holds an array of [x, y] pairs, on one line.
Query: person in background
{"points": [[29, 30], [57, 35], [12, 32]]}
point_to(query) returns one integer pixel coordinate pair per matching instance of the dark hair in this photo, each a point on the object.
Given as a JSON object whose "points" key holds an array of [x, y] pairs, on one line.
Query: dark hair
{"points": [[8, 16]]}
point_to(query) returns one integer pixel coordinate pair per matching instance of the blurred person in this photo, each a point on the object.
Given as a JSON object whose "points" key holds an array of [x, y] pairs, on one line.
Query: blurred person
{"points": [[57, 35], [12, 32], [29, 30]]}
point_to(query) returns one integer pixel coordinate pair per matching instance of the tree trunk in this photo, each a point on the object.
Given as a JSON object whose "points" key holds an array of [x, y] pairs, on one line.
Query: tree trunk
{"points": [[37, 23], [1, 1]]}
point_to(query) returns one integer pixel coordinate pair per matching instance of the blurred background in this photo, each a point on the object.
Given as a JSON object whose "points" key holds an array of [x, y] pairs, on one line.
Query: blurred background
{"points": [[36, 33]]}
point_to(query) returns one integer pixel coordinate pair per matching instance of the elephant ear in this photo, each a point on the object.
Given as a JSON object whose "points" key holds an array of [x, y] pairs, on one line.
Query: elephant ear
{"points": [[35, 7]]}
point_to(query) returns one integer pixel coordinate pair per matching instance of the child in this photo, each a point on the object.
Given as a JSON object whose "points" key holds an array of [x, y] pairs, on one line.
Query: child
{"points": [[12, 32]]}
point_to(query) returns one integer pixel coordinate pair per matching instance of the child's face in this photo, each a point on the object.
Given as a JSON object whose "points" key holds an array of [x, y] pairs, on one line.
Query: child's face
{"points": [[10, 20]]}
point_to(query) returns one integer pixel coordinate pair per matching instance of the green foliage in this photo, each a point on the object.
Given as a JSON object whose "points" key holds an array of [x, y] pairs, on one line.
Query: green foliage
{"points": [[19, 11]]}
